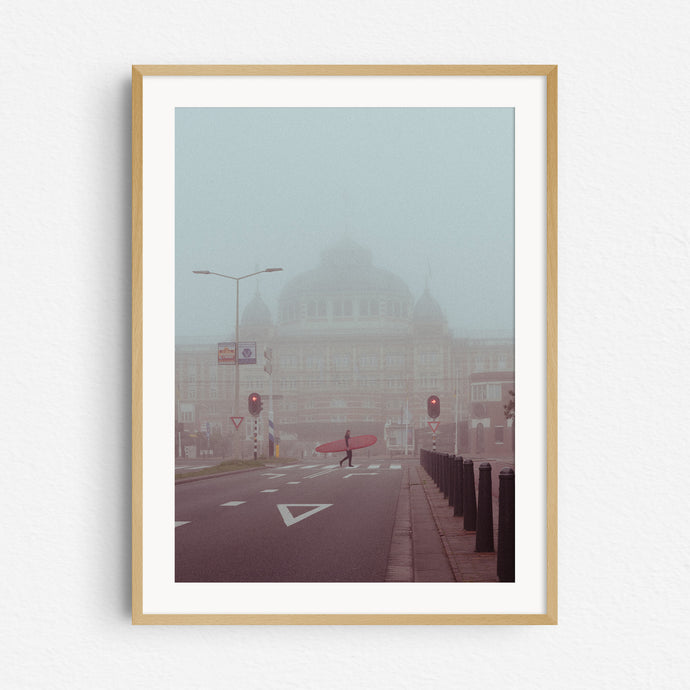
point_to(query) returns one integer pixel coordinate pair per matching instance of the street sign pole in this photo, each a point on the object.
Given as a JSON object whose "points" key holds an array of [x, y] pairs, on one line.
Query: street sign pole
{"points": [[268, 368]]}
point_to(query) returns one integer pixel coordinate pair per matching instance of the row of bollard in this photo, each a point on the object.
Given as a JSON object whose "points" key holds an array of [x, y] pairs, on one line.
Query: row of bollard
{"points": [[455, 478]]}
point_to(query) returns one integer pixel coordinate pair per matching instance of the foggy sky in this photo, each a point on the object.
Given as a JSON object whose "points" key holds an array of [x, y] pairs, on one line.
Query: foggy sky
{"points": [[428, 190]]}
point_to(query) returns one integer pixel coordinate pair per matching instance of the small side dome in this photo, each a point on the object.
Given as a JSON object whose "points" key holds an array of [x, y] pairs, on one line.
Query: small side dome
{"points": [[257, 313], [427, 309]]}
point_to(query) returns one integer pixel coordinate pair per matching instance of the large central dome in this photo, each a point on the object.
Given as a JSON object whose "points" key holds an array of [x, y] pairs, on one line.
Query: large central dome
{"points": [[345, 290], [345, 267]]}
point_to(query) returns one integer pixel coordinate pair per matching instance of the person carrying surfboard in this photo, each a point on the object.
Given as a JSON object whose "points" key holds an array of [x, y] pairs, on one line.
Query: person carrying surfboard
{"points": [[348, 450]]}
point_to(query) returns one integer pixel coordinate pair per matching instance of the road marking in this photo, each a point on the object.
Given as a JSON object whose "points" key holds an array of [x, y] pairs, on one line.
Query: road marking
{"points": [[373, 467], [233, 503], [294, 482], [325, 466], [396, 467], [272, 475], [179, 524], [309, 467], [358, 474], [269, 491], [290, 519], [318, 474]]}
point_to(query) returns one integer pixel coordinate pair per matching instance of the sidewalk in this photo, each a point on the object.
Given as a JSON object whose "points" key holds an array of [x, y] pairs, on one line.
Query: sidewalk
{"points": [[430, 544]]}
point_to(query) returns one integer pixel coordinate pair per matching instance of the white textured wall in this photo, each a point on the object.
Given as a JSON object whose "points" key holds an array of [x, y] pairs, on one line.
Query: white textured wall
{"points": [[624, 325]]}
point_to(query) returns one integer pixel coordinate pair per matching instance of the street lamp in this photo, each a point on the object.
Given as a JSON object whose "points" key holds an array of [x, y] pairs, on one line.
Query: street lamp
{"points": [[237, 323]]}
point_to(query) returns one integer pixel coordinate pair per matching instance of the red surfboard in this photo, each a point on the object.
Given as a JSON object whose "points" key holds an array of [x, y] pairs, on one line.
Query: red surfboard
{"points": [[339, 446]]}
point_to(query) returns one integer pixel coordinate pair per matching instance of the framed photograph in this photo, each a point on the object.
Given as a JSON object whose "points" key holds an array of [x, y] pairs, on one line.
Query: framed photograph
{"points": [[344, 344]]}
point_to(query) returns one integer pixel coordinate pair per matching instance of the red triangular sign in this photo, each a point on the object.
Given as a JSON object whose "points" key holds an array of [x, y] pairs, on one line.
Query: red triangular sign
{"points": [[237, 421], [434, 426]]}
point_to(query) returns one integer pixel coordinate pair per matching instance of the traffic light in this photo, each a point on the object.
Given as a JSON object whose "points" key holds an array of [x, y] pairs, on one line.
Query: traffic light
{"points": [[433, 406], [255, 404]]}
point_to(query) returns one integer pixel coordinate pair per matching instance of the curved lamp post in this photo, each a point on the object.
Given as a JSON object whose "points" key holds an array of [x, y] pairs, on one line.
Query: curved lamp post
{"points": [[237, 323]]}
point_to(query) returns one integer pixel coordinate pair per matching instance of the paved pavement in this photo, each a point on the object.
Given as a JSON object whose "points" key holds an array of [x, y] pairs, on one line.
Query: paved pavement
{"points": [[430, 544]]}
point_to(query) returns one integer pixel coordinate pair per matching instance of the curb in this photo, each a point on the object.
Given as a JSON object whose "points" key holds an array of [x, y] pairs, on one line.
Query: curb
{"points": [[423, 480]]}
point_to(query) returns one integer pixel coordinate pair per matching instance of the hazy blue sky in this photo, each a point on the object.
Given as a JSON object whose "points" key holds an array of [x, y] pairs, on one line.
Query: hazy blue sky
{"points": [[428, 190]]}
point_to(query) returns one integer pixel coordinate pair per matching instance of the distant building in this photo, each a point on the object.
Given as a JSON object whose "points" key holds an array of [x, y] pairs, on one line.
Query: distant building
{"points": [[350, 348], [491, 433]]}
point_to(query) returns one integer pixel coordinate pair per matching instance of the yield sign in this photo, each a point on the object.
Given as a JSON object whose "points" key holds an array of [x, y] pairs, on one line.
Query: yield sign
{"points": [[290, 519], [434, 426], [237, 421]]}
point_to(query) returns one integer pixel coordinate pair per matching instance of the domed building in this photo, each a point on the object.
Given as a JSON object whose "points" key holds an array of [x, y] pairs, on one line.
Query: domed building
{"points": [[350, 348], [353, 350], [345, 293]]}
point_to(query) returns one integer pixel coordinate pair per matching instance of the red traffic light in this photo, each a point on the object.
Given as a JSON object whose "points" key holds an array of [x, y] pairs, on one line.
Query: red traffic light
{"points": [[433, 406], [255, 404]]}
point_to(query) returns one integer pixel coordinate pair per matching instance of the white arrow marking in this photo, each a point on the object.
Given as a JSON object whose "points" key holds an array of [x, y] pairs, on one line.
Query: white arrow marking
{"points": [[179, 524], [233, 503], [288, 517], [358, 474]]}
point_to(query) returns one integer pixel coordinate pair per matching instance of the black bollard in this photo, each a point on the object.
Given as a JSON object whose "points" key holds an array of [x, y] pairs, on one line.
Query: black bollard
{"points": [[485, 510], [458, 487], [505, 560], [445, 460], [451, 480], [469, 497]]}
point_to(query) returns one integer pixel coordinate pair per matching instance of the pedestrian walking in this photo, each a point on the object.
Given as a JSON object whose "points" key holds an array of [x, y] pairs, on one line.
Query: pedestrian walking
{"points": [[348, 450]]}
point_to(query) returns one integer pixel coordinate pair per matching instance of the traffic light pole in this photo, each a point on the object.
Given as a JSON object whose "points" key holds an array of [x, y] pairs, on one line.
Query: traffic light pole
{"points": [[256, 423]]}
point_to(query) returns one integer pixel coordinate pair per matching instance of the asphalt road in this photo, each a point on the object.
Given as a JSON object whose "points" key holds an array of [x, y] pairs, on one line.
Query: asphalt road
{"points": [[309, 522]]}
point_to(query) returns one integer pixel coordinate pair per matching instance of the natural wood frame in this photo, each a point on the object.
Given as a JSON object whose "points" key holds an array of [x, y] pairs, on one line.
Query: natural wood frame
{"points": [[551, 74]]}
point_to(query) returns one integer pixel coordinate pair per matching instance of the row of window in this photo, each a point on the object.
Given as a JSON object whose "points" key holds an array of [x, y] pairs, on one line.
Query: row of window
{"points": [[319, 382], [290, 384], [341, 361], [195, 374], [499, 362], [490, 392], [345, 309]]}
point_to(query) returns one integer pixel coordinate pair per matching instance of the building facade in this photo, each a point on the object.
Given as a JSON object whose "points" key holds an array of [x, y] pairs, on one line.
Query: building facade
{"points": [[350, 348]]}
